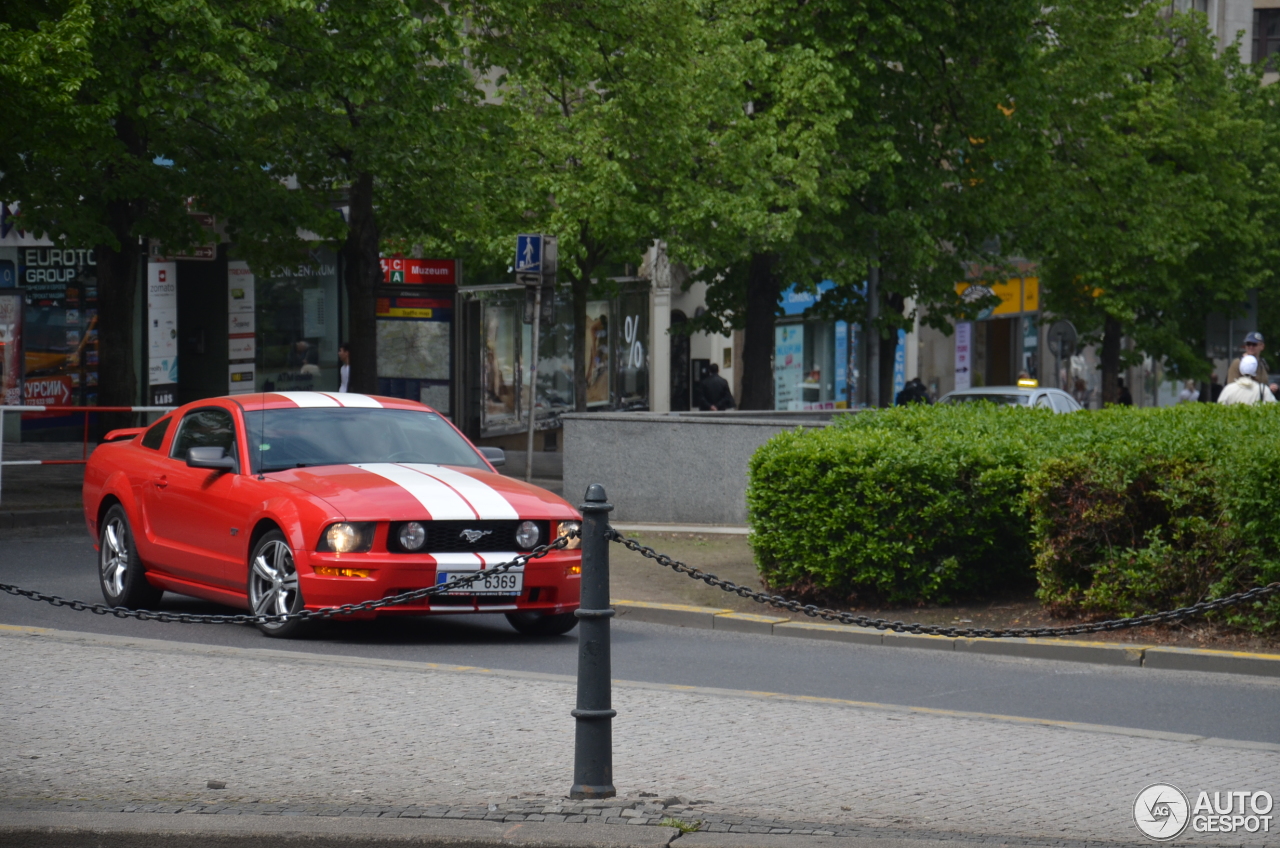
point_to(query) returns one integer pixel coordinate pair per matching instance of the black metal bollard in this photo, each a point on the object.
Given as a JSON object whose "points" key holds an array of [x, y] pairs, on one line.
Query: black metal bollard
{"points": [[593, 740]]}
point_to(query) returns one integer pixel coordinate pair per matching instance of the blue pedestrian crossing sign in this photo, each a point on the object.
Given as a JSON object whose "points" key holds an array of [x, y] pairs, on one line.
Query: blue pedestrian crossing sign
{"points": [[529, 253]]}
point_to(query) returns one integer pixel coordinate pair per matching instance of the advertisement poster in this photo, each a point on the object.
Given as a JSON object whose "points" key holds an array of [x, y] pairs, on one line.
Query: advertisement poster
{"points": [[241, 343], [964, 350], [60, 326], [240, 378], [12, 306], [788, 366], [162, 332], [597, 347]]}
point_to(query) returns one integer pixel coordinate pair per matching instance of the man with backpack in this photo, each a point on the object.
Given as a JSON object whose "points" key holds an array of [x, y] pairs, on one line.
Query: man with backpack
{"points": [[1247, 389]]}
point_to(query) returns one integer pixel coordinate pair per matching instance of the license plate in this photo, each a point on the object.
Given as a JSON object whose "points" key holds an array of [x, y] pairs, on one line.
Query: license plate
{"points": [[506, 583]]}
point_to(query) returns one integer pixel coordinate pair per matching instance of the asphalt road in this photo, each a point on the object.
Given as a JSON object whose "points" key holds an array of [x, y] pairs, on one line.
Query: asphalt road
{"points": [[1223, 706]]}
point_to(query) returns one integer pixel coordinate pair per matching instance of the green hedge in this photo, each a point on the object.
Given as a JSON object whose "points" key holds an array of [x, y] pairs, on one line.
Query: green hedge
{"points": [[1118, 512]]}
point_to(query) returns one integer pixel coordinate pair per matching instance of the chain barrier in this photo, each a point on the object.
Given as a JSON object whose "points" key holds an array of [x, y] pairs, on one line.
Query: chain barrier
{"points": [[304, 615], [937, 629]]}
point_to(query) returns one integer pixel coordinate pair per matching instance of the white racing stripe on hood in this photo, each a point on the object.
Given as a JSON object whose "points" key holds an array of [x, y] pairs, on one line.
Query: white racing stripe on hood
{"points": [[487, 501], [308, 400], [441, 502]]}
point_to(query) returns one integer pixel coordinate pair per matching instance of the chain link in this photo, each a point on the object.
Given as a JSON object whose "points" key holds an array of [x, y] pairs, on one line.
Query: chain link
{"points": [[937, 629], [304, 615]]}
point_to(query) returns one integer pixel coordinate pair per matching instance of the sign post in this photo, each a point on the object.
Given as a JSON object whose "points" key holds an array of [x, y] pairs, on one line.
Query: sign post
{"points": [[537, 259]]}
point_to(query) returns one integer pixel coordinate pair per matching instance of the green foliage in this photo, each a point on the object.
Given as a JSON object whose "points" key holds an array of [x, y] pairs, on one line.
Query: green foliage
{"points": [[1116, 513], [1138, 231], [915, 503]]}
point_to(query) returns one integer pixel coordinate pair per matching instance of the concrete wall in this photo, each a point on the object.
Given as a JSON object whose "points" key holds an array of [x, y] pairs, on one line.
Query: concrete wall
{"points": [[686, 468]]}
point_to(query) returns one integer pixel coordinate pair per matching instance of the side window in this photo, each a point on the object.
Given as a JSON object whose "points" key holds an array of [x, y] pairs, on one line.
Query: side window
{"points": [[1042, 402], [154, 436], [205, 428]]}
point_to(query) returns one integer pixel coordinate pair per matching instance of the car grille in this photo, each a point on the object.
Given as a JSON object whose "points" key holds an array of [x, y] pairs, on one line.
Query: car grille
{"points": [[446, 537]]}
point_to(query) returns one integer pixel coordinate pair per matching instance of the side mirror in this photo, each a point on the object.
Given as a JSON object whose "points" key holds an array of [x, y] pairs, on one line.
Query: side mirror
{"points": [[497, 456], [215, 459]]}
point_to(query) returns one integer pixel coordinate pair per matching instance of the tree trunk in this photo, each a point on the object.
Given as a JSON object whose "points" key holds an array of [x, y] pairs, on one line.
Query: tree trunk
{"points": [[763, 291], [580, 288], [117, 291], [888, 353], [1110, 361], [361, 256]]}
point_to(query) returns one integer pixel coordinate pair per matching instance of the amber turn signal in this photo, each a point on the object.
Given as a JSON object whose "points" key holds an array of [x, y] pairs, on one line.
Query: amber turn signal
{"points": [[572, 570], [334, 571]]}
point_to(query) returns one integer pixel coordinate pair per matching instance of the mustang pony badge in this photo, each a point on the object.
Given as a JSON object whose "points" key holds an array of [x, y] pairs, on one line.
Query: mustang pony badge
{"points": [[473, 536]]}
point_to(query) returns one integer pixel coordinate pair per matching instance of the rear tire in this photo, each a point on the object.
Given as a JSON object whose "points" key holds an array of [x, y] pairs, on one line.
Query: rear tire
{"points": [[542, 624], [121, 574], [273, 586]]}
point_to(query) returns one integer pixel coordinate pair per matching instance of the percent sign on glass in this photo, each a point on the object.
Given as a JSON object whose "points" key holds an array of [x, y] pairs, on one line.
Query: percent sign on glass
{"points": [[635, 350]]}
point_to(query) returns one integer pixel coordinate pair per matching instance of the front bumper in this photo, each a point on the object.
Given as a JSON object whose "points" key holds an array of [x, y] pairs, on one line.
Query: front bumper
{"points": [[551, 584]]}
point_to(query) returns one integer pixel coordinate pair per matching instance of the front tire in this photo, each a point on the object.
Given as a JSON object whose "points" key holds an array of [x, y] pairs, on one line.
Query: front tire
{"points": [[273, 586], [121, 574], [542, 624]]}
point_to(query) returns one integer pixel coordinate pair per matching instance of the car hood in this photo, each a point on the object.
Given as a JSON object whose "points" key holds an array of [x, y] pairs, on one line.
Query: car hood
{"points": [[401, 491]]}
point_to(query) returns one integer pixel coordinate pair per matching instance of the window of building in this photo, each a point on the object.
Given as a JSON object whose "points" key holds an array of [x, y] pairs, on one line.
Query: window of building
{"points": [[1266, 35]]}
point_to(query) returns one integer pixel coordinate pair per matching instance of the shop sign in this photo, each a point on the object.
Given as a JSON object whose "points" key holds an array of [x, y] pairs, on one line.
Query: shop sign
{"points": [[48, 391], [240, 378], [420, 308], [400, 270], [12, 306], [47, 273], [964, 351], [162, 331]]}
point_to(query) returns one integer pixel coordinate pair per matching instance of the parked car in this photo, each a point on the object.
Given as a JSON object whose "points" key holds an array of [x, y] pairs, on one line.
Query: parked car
{"points": [[286, 501], [1036, 397]]}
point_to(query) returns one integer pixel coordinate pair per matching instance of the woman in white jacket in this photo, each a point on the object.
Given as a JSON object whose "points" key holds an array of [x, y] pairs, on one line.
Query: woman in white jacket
{"points": [[1247, 389]]}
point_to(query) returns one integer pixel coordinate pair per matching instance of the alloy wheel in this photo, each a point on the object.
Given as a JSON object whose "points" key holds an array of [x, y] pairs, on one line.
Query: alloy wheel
{"points": [[273, 581], [114, 559]]}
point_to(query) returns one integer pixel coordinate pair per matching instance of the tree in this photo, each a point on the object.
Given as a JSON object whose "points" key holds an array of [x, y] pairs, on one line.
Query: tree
{"points": [[370, 95], [131, 110], [607, 108], [1150, 195], [906, 100]]}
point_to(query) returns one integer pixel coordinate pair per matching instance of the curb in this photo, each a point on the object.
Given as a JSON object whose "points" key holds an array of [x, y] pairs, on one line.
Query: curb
{"points": [[39, 517], [1062, 650], [125, 830]]}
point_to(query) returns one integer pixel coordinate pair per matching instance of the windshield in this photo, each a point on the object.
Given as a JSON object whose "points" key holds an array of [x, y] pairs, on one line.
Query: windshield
{"points": [[1006, 399], [301, 438]]}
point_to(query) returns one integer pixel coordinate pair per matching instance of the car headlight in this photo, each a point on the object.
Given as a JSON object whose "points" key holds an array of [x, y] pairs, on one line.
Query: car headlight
{"points": [[564, 528], [527, 535], [347, 537], [412, 535]]}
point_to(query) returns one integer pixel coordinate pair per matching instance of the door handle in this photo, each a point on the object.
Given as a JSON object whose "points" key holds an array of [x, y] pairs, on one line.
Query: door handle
{"points": [[160, 481]]}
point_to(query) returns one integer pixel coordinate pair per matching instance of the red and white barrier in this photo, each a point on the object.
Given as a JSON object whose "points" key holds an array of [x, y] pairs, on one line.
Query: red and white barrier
{"points": [[63, 410]]}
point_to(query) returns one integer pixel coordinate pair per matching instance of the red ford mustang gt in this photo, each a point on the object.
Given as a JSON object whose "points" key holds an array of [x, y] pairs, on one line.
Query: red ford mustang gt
{"points": [[286, 501]]}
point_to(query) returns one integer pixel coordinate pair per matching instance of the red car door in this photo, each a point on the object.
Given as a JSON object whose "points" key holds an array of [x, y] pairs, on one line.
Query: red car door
{"points": [[197, 515]]}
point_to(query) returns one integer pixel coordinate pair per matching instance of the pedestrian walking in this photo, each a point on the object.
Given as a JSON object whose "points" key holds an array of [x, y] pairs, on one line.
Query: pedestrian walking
{"points": [[1253, 346], [1125, 399], [1247, 389], [1190, 392], [713, 390], [344, 370], [913, 392]]}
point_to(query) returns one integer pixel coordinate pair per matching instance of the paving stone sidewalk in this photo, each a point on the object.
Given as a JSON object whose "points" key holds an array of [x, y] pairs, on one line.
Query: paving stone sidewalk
{"points": [[88, 725]]}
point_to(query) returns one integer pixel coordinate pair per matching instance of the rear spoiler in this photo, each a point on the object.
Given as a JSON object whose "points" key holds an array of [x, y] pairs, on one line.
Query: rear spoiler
{"points": [[124, 434]]}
